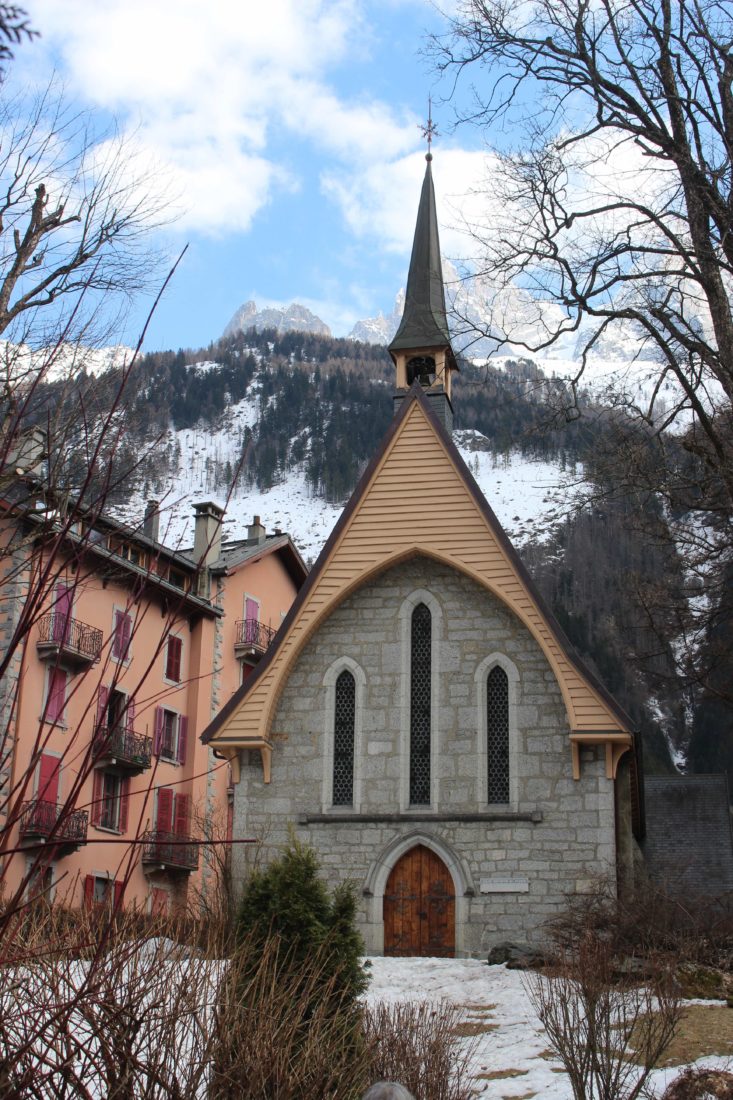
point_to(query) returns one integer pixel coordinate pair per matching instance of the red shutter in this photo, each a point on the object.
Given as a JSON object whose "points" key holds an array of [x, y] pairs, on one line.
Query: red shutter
{"points": [[48, 778], [118, 895], [130, 723], [95, 815], [124, 804], [164, 814], [89, 891], [182, 805], [182, 738], [102, 700], [173, 660], [158, 735], [56, 695]]}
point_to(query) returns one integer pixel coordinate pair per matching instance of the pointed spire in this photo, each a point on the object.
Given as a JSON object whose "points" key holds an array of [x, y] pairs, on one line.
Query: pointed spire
{"points": [[424, 323]]}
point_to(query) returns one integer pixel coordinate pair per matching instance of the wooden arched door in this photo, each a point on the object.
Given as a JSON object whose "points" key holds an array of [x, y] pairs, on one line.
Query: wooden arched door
{"points": [[420, 906]]}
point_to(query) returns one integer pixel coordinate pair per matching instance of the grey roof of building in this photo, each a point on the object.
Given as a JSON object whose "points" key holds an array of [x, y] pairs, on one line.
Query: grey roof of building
{"points": [[689, 846]]}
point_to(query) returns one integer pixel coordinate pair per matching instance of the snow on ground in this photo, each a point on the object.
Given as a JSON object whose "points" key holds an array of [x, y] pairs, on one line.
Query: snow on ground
{"points": [[514, 1044]]}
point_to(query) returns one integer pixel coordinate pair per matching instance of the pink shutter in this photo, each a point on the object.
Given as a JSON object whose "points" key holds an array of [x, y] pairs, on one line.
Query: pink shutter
{"points": [[159, 724], [95, 814], [118, 896], [102, 700], [182, 738], [124, 805], [122, 635], [182, 802], [56, 695], [130, 723], [89, 891], [62, 612], [48, 778], [164, 814]]}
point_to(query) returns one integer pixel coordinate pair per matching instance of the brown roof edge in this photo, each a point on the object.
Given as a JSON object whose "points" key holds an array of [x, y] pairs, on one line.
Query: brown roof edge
{"points": [[415, 393]]}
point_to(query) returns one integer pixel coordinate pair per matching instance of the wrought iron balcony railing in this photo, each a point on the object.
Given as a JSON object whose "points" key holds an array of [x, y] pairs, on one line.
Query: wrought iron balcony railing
{"points": [[253, 635], [128, 749], [172, 851], [42, 821], [74, 640]]}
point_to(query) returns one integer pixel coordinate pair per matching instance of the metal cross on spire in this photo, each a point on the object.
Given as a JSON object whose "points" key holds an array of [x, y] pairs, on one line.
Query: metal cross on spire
{"points": [[430, 130]]}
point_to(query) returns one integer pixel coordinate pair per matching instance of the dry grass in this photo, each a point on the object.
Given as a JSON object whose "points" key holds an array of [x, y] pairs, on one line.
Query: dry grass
{"points": [[501, 1074], [702, 1030], [468, 1029]]}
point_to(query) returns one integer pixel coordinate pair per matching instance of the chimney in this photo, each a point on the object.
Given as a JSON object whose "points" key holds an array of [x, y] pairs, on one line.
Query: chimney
{"points": [[151, 522], [206, 540], [255, 531]]}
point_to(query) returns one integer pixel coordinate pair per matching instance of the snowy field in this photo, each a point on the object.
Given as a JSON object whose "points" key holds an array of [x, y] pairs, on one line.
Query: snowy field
{"points": [[511, 1058]]}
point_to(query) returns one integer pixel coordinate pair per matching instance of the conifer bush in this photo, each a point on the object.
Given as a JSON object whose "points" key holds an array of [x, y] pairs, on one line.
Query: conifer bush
{"points": [[289, 901]]}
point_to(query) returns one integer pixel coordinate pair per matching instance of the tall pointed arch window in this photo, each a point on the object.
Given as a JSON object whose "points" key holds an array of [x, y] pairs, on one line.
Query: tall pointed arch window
{"points": [[420, 705], [497, 734], [343, 739]]}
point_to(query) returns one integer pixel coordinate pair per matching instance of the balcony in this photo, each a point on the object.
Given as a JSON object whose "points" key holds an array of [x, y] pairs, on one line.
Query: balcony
{"points": [[252, 638], [68, 641], [40, 824], [169, 851], [125, 749]]}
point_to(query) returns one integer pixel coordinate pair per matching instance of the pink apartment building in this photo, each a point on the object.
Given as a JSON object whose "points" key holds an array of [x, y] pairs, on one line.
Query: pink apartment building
{"points": [[105, 788]]}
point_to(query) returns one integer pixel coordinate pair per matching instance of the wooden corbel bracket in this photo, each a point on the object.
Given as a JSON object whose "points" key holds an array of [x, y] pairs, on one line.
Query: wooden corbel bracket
{"points": [[232, 749], [616, 744]]}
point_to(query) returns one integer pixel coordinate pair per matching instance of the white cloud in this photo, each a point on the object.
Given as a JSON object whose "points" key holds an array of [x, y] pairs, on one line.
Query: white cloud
{"points": [[207, 89], [381, 199]]}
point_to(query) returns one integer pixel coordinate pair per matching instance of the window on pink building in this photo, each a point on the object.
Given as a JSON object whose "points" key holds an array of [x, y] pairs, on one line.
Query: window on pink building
{"points": [[56, 701], [173, 660], [122, 633]]}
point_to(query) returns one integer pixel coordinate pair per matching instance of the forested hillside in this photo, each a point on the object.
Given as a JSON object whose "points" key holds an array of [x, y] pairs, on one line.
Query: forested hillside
{"points": [[252, 409]]}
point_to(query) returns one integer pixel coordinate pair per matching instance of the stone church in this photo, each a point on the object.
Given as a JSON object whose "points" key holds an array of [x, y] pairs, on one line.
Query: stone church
{"points": [[420, 719]]}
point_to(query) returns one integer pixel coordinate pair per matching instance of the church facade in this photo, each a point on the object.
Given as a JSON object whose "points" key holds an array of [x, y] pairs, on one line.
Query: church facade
{"points": [[420, 720]]}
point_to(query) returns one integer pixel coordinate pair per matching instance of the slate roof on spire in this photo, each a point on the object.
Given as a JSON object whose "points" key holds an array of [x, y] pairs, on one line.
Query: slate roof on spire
{"points": [[424, 323]]}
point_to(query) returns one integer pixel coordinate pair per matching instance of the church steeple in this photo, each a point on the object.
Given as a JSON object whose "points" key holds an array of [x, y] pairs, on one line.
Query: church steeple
{"points": [[421, 348]]}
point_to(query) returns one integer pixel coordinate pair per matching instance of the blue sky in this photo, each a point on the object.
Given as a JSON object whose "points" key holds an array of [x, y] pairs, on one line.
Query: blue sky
{"points": [[287, 132]]}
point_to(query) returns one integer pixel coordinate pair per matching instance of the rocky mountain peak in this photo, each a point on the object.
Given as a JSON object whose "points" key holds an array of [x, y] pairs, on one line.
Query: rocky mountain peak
{"points": [[293, 318]]}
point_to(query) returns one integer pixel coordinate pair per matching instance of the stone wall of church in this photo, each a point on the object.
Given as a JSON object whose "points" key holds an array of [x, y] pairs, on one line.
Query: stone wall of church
{"points": [[513, 865]]}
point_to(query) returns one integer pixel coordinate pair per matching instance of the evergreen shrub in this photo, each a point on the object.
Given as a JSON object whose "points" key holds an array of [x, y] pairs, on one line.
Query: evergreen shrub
{"points": [[288, 901]]}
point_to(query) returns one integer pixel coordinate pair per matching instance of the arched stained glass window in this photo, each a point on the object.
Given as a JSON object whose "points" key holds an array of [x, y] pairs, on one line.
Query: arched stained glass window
{"points": [[497, 734], [343, 739], [420, 697]]}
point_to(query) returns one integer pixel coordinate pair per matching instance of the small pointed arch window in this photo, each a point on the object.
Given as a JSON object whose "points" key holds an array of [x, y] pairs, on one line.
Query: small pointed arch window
{"points": [[420, 704], [343, 739], [497, 735]]}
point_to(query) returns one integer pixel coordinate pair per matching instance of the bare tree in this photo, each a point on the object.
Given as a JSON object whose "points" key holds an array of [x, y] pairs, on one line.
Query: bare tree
{"points": [[610, 215], [617, 205]]}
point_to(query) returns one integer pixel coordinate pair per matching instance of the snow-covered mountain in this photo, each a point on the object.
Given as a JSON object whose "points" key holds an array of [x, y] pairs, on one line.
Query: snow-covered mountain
{"points": [[477, 308], [529, 496], [294, 317]]}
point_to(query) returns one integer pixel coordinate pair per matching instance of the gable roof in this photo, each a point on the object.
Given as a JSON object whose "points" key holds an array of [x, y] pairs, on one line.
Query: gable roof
{"points": [[392, 515]]}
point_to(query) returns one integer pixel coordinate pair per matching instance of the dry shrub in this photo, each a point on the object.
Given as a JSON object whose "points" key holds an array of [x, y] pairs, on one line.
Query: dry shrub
{"points": [[608, 1031], [418, 1045], [284, 1031], [90, 1007], [650, 920], [700, 1084]]}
